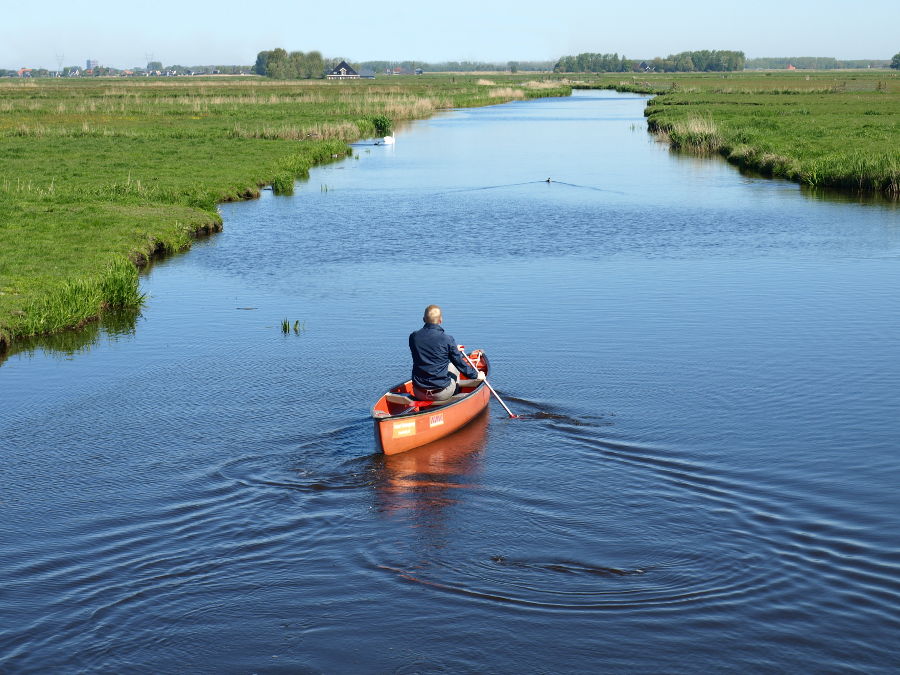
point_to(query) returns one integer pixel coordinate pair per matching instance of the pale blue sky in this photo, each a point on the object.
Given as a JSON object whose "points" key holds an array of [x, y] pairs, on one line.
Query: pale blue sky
{"points": [[206, 32]]}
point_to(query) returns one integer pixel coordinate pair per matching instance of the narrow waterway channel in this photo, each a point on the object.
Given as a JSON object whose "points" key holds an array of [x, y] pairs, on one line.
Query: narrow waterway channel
{"points": [[707, 481]]}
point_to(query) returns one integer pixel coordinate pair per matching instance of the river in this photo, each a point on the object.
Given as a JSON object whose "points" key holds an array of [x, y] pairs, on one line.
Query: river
{"points": [[706, 477]]}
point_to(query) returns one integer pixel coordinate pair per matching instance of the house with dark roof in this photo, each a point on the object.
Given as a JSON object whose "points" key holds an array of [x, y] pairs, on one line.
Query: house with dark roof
{"points": [[342, 71]]}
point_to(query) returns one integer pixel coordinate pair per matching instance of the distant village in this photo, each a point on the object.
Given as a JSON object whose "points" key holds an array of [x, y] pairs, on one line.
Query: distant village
{"points": [[93, 68]]}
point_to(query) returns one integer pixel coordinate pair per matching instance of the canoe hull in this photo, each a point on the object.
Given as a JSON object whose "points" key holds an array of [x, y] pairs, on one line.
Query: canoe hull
{"points": [[410, 429], [399, 434]]}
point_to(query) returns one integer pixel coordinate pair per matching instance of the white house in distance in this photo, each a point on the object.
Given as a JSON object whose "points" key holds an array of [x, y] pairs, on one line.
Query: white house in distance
{"points": [[342, 71]]}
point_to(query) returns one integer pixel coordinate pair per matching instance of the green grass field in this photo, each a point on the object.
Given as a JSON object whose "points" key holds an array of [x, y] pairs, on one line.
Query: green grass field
{"points": [[826, 129], [96, 171]]}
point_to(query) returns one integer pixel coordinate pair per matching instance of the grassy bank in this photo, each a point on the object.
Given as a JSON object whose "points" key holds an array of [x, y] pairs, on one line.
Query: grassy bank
{"points": [[825, 129], [95, 172]]}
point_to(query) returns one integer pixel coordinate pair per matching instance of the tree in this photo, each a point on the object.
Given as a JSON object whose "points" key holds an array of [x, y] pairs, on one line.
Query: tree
{"points": [[513, 66], [895, 62], [262, 63], [314, 65], [281, 65], [278, 65], [684, 63], [155, 65], [296, 65]]}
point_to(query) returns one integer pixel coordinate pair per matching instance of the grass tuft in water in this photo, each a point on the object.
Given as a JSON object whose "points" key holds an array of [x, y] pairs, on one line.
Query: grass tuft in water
{"points": [[283, 184], [297, 327], [383, 124]]}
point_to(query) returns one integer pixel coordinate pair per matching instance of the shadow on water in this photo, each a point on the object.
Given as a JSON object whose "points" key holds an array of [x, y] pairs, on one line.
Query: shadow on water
{"points": [[112, 325]]}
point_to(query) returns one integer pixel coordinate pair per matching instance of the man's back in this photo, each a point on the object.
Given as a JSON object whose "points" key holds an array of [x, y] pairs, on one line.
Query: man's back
{"points": [[432, 353], [430, 347]]}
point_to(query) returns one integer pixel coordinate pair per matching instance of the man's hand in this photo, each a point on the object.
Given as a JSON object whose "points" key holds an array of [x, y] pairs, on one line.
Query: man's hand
{"points": [[480, 375]]}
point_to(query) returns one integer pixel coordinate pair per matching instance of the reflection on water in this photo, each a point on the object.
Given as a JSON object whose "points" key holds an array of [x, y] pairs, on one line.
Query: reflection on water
{"points": [[700, 162], [425, 480], [884, 199], [112, 326]]}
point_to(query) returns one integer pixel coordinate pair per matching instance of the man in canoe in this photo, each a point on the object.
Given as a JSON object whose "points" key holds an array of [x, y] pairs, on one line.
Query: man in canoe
{"points": [[437, 363]]}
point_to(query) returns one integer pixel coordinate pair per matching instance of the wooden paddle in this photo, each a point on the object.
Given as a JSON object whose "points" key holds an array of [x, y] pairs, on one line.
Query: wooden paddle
{"points": [[496, 395]]}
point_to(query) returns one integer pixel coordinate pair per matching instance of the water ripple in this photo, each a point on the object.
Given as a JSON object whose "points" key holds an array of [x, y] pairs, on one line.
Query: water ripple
{"points": [[580, 585]]}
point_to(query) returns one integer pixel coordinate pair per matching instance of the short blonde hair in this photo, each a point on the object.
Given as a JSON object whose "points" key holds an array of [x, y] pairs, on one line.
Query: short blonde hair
{"points": [[432, 314]]}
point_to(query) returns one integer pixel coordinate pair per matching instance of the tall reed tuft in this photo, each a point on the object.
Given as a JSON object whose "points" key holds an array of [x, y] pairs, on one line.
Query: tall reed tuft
{"points": [[697, 133], [283, 184], [119, 286], [383, 125], [76, 301], [506, 92]]}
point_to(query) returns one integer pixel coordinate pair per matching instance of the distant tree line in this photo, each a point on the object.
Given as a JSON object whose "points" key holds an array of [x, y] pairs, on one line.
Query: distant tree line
{"points": [[811, 63], [593, 63], [895, 62], [283, 65], [683, 62]]}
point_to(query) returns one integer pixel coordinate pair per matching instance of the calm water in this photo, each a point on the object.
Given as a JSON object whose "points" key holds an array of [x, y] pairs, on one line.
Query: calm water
{"points": [[707, 478]]}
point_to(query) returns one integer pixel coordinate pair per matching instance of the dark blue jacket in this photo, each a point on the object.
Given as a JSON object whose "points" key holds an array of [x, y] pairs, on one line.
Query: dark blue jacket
{"points": [[432, 350]]}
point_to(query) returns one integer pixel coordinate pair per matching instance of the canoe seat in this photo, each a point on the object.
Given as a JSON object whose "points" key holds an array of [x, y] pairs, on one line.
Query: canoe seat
{"points": [[409, 401], [438, 404], [399, 399]]}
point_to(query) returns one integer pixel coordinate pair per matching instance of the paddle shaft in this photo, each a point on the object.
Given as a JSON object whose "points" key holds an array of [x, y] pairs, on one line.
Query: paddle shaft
{"points": [[496, 395]]}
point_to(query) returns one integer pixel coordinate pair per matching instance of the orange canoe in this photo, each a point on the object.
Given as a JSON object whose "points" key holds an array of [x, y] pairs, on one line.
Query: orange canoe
{"points": [[403, 423]]}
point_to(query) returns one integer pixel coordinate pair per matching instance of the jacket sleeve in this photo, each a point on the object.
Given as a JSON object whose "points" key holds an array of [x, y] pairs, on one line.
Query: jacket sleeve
{"points": [[460, 361]]}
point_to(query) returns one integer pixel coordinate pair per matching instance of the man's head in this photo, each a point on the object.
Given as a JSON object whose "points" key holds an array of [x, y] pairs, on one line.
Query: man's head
{"points": [[432, 314]]}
